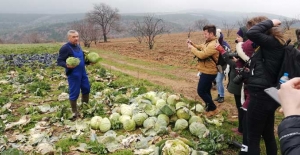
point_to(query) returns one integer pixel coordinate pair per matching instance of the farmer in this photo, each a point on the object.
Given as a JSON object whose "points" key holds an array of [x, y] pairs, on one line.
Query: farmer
{"points": [[77, 77], [206, 66]]}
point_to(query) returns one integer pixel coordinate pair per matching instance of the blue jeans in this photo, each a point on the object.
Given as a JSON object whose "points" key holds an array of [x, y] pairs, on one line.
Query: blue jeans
{"points": [[203, 90], [220, 85]]}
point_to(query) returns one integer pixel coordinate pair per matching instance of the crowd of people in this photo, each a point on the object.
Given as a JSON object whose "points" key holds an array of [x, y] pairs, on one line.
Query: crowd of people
{"points": [[253, 67]]}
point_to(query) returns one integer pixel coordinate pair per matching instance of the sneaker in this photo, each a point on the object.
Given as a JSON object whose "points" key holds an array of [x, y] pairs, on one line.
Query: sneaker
{"points": [[217, 98], [221, 100]]}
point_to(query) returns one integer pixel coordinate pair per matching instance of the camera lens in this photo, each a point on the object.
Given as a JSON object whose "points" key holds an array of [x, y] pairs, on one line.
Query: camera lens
{"points": [[236, 41]]}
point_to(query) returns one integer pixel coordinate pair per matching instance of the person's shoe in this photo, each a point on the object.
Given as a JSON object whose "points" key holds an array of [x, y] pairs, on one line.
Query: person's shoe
{"points": [[217, 98], [75, 116], [211, 107], [212, 113], [221, 100]]}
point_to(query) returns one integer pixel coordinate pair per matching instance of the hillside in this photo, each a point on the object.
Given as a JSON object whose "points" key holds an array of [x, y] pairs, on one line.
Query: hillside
{"points": [[16, 28]]}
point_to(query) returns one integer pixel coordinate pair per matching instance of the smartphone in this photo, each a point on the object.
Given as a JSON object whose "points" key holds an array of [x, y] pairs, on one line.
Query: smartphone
{"points": [[273, 92]]}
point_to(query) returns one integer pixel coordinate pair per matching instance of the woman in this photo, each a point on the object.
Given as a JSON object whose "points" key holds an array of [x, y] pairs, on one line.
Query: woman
{"points": [[245, 50], [264, 67]]}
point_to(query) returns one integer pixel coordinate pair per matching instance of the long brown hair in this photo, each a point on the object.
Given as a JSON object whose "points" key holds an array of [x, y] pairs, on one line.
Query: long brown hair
{"points": [[275, 31], [278, 33], [253, 21]]}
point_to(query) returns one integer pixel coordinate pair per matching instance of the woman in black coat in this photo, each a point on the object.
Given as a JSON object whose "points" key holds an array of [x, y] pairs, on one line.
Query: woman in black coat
{"points": [[264, 69]]}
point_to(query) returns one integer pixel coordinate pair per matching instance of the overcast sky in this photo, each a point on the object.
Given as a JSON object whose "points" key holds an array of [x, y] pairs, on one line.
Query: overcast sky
{"points": [[290, 8]]}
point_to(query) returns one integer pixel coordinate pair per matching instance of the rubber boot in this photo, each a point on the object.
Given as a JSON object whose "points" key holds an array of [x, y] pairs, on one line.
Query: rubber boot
{"points": [[85, 98], [75, 112]]}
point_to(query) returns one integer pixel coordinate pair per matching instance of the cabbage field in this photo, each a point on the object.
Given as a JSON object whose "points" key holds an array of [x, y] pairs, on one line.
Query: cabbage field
{"points": [[124, 116]]}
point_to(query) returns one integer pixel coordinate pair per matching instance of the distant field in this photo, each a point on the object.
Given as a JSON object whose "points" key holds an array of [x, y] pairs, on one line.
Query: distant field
{"points": [[29, 48]]}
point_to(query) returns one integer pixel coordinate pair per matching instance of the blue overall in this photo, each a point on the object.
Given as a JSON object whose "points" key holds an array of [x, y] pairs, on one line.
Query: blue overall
{"points": [[78, 79]]}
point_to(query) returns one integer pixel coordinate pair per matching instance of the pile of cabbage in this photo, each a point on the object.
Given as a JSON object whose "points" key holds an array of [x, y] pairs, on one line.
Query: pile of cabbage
{"points": [[156, 113]]}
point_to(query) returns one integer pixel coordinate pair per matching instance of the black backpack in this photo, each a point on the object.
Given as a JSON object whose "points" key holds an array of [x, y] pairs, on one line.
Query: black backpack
{"points": [[291, 62]]}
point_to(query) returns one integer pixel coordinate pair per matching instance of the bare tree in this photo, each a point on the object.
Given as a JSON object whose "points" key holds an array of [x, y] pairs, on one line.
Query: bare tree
{"points": [[190, 30], [287, 23], [86, 30], [228, 27], [33, 38], [242, 22], [136, 31], [1, 41], [199, 24], [106, 17], [151, 28]]}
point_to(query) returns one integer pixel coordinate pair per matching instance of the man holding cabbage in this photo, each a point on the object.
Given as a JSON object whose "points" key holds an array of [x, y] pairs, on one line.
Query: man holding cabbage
{"points": [[72, 58]]}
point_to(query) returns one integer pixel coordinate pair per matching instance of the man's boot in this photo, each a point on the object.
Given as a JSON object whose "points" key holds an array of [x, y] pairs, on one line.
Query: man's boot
{"points": [[75, 112], [85, 98]]}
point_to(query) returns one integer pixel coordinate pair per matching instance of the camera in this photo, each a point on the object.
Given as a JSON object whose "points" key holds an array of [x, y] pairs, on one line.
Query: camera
{"points": [[236, 41], [239, 78], [233, 54]]}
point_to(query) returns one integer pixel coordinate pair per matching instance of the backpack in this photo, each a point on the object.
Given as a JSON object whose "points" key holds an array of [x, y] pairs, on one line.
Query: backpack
{"points": [[291, 62], [221, 63]]}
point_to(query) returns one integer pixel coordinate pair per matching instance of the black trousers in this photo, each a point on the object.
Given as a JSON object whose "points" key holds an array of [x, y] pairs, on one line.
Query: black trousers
{"points": [[260, 118]]}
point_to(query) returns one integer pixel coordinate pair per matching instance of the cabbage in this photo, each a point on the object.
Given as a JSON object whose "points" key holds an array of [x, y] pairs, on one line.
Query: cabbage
{"points": [[181, 105], [173, 118], [175, 147], [129, 125], [163, 117], [149, 122], [195, 119], [199, 108], [160, 103], [183, 113], [172, 99], [139, 118], [161, 126], [72, 61], [114, 116], [126, 110], [93, 57], [121, 98], [168, 110], [105, 125], [115, 122], [123, 118], [161, 122], [198, 129], [95, 122], [181, 124], [151, 95], [150, 110]]}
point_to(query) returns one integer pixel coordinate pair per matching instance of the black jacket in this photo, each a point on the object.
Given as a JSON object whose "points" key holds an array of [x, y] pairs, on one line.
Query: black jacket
{"points": [[266, 64], [289, 135]]}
